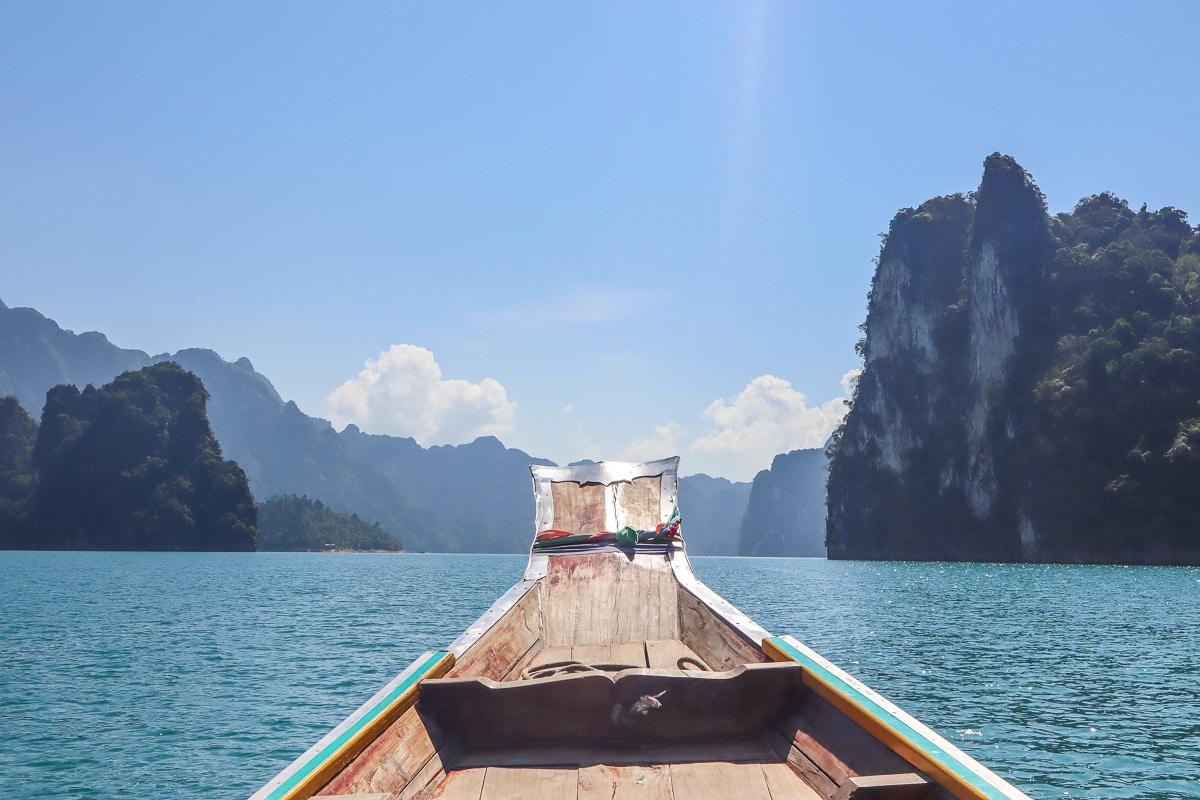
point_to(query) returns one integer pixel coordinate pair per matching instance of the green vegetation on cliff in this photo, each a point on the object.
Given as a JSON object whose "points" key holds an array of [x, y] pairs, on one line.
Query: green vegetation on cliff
{"points": [[298, 523], [130, 466], [18, 433], [1031, 385]]}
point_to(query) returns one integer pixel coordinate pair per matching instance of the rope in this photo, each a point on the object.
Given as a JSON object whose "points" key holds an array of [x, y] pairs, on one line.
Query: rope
{"points": [[685, 663], [698, 664], [566, 667]]}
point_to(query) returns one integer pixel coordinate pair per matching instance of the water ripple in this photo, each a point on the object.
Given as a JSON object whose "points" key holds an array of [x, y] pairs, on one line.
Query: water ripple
{"points": [[154, 675]]}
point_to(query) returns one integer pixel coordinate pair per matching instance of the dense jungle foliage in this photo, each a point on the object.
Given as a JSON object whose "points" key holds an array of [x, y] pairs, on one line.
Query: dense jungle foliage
{"points": [[1086, 447], [18, 433], [1112, 448], [130, 466], [298, 523]]}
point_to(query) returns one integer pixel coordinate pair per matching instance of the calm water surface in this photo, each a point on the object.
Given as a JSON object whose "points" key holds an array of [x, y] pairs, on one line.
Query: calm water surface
{"points": [[162, 675]]}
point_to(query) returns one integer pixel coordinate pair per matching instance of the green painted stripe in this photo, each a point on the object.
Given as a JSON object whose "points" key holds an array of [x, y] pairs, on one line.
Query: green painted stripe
{"points": [[318, 759], [952, 763]]}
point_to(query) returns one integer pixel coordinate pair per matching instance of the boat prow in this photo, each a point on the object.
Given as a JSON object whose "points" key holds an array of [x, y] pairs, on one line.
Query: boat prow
{"points": [[609, 670]]}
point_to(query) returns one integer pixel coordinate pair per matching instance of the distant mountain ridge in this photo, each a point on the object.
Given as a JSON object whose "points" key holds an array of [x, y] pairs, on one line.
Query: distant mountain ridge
{"points": [[785, 515], [467, 498]]}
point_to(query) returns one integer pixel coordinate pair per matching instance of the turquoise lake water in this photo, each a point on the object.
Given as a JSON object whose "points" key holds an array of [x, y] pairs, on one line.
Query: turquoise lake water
{"points": [[164, 675]]}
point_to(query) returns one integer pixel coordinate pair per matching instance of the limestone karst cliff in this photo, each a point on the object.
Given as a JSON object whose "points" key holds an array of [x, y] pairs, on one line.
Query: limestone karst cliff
{"points": [[1030, 385]]}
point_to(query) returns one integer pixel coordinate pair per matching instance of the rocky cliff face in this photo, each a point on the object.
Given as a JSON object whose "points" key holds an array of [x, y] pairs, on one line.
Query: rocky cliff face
{"points": [[1031, 385], [786, 511], [919, 452]]}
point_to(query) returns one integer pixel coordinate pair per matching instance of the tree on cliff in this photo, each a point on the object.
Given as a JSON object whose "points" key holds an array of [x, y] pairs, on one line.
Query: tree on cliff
{"points": [[1031, 385], [134, 466], [18, 432]]}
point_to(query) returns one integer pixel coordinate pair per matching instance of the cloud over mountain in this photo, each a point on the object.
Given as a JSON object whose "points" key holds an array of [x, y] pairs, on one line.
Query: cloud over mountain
{"points": [[766, 418], [403, 393]]}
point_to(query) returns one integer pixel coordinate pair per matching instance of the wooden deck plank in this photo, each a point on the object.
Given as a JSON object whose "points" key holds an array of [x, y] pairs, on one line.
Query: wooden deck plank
{"points": [[784, 784], [503, 783], [464, 784], [551, 655], [634, 782], [665, 653], [719, 780], [628, 653], [592, 654]]}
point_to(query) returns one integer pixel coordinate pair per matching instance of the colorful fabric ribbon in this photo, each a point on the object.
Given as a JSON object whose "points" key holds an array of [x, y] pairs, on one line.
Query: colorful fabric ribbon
{"points": [[625, 537]]}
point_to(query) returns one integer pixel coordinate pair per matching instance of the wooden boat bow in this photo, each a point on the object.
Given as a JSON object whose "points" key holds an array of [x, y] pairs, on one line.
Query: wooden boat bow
{"points": [[609, 670]]}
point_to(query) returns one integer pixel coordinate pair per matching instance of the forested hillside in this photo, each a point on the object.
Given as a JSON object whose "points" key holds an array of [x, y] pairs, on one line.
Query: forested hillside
{"points": [[473, 497], [1030, 387], [301, 524], [132, 465]]}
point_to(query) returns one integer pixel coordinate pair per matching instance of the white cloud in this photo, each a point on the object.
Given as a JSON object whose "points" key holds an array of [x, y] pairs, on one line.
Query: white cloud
{"points": [[767, 418], [850, 381], [660, 444], [402, 393]]}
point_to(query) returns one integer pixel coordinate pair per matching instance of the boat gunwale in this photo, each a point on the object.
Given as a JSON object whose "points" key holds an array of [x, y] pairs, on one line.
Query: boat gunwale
{"points": [[316, 766], [907, 736]]}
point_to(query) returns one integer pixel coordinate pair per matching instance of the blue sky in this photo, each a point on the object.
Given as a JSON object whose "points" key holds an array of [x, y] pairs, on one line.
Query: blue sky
{"points": [[612, 230]]}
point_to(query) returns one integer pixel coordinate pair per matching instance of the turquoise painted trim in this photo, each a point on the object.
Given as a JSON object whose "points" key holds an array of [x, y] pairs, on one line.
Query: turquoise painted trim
{"points": [[950, 761], [323, 755]]}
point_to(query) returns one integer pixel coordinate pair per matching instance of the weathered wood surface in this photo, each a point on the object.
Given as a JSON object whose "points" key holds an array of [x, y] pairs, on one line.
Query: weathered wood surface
{"points": [[720, 646], [579, 509], [801, 764], [904, 786], [837, 745], [466, 784], [606, 598], [389, 763], [633, 782], [784, 784], [665, 654], [592, 508], [579, 707], [719, 779], [684, 780], [637, 503], [506, 643], [503, 783]]}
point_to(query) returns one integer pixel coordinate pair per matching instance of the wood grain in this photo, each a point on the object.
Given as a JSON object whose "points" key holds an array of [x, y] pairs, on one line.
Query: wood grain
{"points": [[503, 783], [635, 782], [466, 784], [388, 763], [719, 645], [506, 642], [607, 598], [784, 784], [719, 779]]}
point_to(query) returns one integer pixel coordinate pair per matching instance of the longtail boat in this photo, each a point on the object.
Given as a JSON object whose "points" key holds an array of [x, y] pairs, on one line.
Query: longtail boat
{"points": [[610, 671]]}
